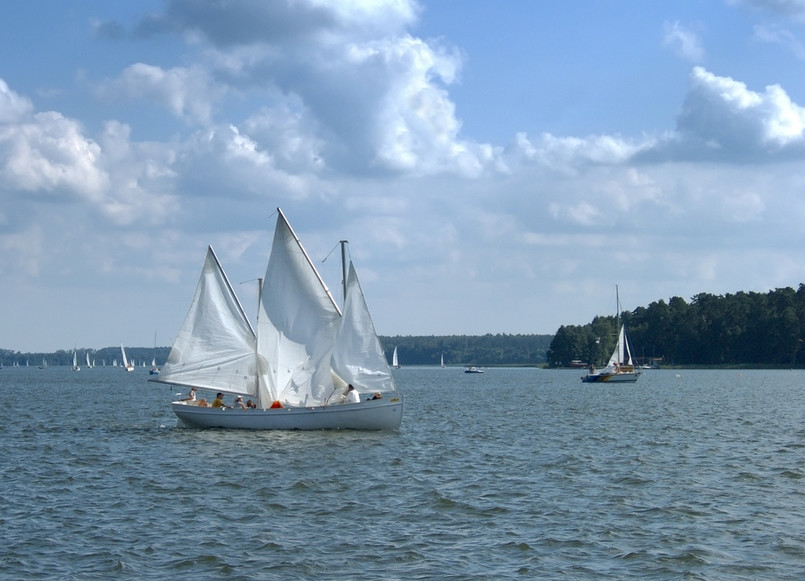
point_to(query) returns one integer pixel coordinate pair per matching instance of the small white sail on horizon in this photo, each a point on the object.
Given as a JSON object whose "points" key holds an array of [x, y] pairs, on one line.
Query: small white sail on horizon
{"points": [[126, 363]]}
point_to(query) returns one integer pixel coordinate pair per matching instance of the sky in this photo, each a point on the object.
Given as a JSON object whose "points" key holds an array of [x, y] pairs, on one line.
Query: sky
{"points": [[496, 167]]}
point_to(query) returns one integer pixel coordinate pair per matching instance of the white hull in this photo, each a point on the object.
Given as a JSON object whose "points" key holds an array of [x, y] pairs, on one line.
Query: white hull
{"points": [[382, 414]]}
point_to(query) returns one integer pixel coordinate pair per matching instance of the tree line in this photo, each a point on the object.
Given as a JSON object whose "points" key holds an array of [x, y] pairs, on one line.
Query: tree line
{"points": [[99, 357], [500, 349], [745, 328], [479, 350]]}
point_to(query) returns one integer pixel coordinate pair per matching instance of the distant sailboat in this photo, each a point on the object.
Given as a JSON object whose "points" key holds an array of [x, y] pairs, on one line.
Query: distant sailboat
{"points": [[394, 361], [442, 359], [620, 368], [126, 363], [75, 362], [89, 365], [154, 369]]}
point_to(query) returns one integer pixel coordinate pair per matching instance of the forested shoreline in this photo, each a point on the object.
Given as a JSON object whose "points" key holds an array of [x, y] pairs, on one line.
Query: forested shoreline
{"points": [[741, 329], [499, 349], [745, 328]]}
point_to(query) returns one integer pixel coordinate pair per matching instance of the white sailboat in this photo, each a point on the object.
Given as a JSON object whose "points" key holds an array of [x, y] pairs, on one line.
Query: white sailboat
{"points": [[75, 361], [154, 369], [296, 366], [442, 360], [126, 363], [395, 363], [620, 368]]}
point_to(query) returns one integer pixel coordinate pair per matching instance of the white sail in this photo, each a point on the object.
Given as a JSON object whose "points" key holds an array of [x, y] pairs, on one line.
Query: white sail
{"points": [[394, 362], [302, 354], [358, 356], [127, 365], [296, 326], [622, 354], [214, 348]]}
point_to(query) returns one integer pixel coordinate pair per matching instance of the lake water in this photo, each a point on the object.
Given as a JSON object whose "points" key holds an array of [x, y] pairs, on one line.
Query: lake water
{"points": [[513, 474]]}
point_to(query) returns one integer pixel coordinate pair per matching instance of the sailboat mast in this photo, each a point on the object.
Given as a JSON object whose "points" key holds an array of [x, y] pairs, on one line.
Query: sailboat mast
{"points": [[344, 270], [618, 323]]}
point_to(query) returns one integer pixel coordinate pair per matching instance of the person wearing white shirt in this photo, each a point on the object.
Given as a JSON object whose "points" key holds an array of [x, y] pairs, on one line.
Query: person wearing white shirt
{"points": [[352, 395]]}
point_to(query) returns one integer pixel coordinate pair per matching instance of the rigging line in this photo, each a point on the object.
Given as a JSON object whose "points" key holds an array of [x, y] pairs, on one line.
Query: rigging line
{"points": [[337, 244], [329, 253]]}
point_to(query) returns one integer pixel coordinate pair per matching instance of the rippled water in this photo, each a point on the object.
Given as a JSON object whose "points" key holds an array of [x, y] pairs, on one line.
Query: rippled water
{"points": [[516, 473]]}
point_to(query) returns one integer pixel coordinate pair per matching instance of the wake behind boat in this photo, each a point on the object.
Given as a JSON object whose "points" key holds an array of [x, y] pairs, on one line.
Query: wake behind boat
{"points": [[298, 363]]}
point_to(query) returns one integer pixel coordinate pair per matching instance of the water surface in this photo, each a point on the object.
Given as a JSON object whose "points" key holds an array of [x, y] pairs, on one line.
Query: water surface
{"points": [[515, 473]]}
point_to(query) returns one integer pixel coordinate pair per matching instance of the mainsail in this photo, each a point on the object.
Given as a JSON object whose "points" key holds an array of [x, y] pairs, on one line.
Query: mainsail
{"points": [[296, 326], [215, 345]]}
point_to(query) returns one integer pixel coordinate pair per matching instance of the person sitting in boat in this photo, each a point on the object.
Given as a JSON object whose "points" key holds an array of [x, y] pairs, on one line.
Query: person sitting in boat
{"points": [[191, 397], [218, 402], [250, 404], [352, 395], [377, 395], [239, 403]]}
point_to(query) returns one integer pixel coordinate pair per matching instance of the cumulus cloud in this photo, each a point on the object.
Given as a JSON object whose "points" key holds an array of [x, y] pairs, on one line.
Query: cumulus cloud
{"points": [[243, 22], [725, 113], [48, 156], [188, 93], [683, 41], [12, 106], [375, 98], [570, 154], [49, 152]]}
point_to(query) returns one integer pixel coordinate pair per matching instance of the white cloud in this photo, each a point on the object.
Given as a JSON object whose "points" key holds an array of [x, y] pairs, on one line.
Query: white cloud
{"points": [[374, 97], [795, 8], [778, 35], [48, 152], [722, 119], [188, 93], [570, 154], [12, 106], [683, 41]]}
